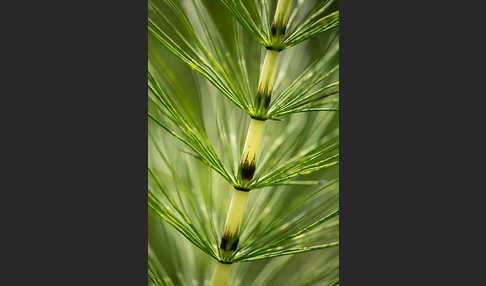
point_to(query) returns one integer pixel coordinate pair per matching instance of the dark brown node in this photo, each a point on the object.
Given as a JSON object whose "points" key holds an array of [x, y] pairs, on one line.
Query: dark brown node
{"points": [[263, 96], [258, 97], [241, 189], [260, 118], [234, 245], [267, 101], [229, 242], [277, 48], [224, 241], [247, 169], [273, 29]]}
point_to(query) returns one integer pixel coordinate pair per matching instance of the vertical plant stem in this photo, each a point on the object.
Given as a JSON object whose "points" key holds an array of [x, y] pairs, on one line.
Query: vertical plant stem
{"points": [[267, 76], [231, 234], [252, 143], [279, 24], [282, 13], [231, 237], [267, 79], [221, 274]]}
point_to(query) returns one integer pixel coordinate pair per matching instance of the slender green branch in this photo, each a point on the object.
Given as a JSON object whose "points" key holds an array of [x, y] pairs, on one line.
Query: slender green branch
{"points": [[291, 251]]}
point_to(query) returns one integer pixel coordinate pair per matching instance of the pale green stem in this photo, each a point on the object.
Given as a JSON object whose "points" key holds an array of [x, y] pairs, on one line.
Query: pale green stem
{"points": [[267, 79], [267, 76], [250, 151], [235, 212], [279, 24], [221, 274], [282, 13], [231, 234]]}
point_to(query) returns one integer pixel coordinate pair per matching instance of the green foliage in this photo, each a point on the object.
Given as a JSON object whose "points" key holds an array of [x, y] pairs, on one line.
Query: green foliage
{"points": [[193, 37], [305, 21], [293, 206], [173, 261]]}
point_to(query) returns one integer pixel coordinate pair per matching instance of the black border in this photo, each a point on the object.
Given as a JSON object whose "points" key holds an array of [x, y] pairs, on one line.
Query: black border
{"points": [[74, 186], [74, 138]]}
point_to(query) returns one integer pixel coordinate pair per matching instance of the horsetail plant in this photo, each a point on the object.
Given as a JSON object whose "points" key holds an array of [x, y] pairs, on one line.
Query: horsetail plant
{"points": [[231, 234], [300, 153]]}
